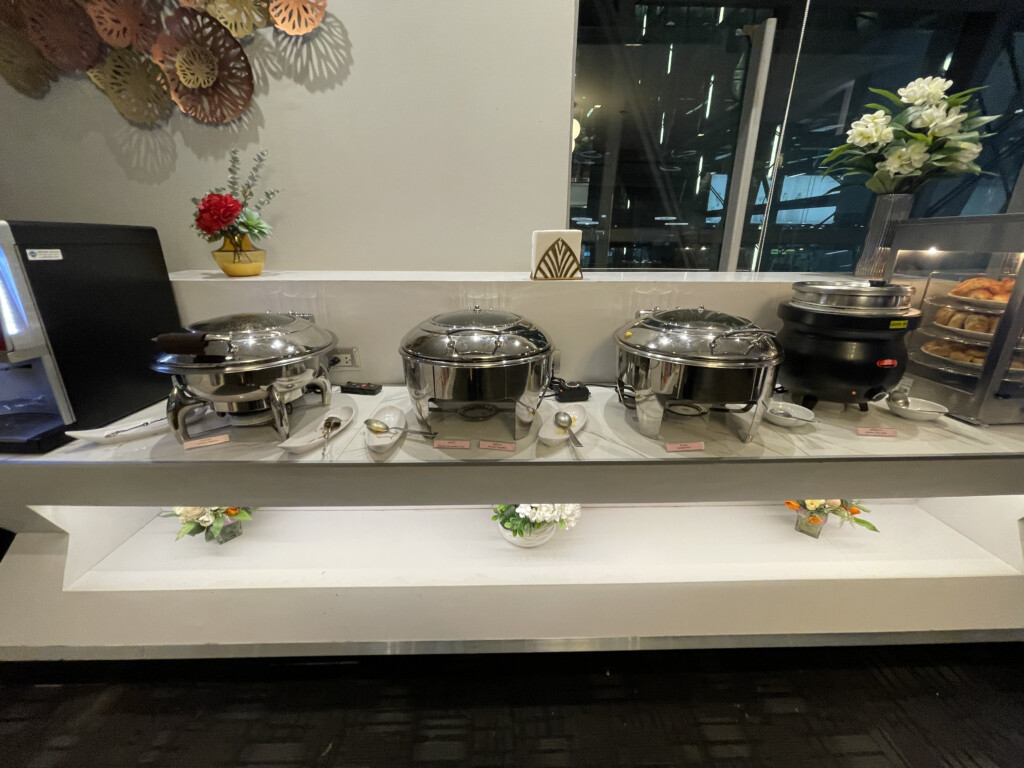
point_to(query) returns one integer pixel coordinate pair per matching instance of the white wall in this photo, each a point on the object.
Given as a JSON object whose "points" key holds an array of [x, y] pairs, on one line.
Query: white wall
{"points": [[406, 135]]}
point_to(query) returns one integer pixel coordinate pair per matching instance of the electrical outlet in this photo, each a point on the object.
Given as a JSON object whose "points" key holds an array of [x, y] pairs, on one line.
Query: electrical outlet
{"points": [[345, 357]]}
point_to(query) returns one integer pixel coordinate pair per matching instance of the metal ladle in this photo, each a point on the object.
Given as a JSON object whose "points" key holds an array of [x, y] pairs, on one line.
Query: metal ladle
{"points": [[564, 420], [378, 427], [900, 400]]}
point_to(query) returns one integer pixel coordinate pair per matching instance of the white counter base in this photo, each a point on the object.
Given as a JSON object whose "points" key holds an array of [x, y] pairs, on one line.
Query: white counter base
{"points": [[350, 581]]}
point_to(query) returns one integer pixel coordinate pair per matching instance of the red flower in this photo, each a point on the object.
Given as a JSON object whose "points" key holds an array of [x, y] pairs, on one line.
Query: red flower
{"points": [[216, 212]]}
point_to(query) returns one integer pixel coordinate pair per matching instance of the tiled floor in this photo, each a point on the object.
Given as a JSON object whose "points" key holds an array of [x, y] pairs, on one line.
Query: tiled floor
{"points": [[933, 706]]}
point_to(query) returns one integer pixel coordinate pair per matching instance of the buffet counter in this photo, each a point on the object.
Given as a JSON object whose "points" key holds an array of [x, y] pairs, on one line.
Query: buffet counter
{"points": [[358, 552]]}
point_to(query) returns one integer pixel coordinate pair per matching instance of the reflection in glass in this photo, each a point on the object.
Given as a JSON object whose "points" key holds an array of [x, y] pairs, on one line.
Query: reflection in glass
{"points": [[658, 96], [817, 224]]}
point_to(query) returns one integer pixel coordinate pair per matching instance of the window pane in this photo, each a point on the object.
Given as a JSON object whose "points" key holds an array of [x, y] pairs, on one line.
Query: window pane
{"points": [[818, 225], [658, 96]]}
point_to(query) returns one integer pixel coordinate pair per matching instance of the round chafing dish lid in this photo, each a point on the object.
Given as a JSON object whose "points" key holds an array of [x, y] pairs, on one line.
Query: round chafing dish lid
{"points": [[698, 334], [475, 335], [852, 295], [251, 339]]}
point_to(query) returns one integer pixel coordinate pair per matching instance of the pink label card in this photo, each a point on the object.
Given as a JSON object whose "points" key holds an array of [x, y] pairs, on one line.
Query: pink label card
{"points": [[497, 445], [202, 442], [683, 447], [449, 444], [876, 431]]}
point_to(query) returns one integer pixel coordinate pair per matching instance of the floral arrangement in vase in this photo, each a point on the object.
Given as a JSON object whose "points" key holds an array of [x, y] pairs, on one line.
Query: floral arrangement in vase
{"points": [[921, 135], [234, 215], [812, 514], [218, 524], [530, 525]]}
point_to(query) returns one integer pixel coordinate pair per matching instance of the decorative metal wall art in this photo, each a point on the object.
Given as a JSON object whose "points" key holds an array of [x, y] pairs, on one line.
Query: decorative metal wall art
{"points": [[143, 57], [136, 86], [63, 33], [123, 23], [297, 17], [207, 70]]}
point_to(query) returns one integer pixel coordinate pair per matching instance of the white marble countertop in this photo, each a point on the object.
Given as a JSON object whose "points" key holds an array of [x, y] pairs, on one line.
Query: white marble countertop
{"points": [[616, 464], [611, 435]]}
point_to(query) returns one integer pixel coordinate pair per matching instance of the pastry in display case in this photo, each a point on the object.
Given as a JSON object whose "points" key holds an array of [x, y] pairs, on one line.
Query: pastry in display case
{"points": [[969, 352]]}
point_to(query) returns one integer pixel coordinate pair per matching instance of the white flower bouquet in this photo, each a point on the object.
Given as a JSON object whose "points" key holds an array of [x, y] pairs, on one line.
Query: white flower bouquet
{"points": [[525, 519], [928, 135]]}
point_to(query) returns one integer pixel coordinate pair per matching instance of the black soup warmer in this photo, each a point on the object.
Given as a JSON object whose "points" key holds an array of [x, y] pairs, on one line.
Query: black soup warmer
{"points": [[845, 341]]}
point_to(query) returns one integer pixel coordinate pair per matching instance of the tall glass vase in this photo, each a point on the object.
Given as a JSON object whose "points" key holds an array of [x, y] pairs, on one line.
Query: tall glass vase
{"points": [[878, 259]]}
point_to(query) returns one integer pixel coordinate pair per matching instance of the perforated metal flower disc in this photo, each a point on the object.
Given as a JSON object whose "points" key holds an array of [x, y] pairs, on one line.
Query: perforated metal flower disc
{"points": [[207, 71], [123, 23], [135, 85], [22, 65], [10, 14], [63, 33], [297, 17], [240, 17]]}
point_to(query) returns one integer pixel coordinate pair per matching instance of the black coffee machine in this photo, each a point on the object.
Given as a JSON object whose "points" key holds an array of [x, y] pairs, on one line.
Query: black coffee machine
{"points": [[79, 305]]}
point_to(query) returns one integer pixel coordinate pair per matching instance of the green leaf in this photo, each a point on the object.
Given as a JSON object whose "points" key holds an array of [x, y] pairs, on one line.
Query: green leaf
{"points": [[968, 92], [864, 524], [976, 122], [880, 183], [218, 526], [188, 529], [889, 95], [879, 106], [836, 153], [243, 515], [209, 534]]}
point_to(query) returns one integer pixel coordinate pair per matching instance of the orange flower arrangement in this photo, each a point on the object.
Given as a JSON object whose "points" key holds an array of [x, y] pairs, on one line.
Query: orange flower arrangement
{"points": [[816, 511]]}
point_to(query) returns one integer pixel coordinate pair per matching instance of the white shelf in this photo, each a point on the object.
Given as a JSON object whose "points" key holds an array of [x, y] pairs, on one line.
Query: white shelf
{"points": [[389, 547], [437, 276], [316, 581]]}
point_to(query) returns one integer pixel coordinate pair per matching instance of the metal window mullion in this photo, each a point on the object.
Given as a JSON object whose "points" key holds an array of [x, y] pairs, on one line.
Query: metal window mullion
{"points": [[762, 38]]}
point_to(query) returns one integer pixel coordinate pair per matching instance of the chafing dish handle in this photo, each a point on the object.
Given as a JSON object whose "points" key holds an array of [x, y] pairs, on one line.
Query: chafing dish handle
{"points": [[462, 331], [182, 343], [741, 332]]}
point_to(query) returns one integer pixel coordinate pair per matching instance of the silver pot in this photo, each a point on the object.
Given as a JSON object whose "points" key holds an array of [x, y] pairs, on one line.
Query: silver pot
{"points": [[474, 360], [852, 297], [695, 358], [249, 366]]}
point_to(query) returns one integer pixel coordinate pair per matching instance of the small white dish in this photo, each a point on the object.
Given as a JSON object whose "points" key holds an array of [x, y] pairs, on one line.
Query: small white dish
{"points": [[797, 415], [121, 432], [553, 435], [919, 410], [394, 417], [314, 436]]}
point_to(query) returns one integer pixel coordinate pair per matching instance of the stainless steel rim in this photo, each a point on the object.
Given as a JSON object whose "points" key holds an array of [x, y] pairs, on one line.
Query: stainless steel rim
{"points": [[701, 362]]}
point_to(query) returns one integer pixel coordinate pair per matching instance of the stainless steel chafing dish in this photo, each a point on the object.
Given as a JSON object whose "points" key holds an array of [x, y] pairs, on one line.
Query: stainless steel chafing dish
{"points": [[695, 357], [477, 361], [250, 367]]}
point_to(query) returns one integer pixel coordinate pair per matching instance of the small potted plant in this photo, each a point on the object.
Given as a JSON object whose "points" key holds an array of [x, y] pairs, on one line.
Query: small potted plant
{"points": [[530, 525], [220, 524], [812, 514], [232, 215]]}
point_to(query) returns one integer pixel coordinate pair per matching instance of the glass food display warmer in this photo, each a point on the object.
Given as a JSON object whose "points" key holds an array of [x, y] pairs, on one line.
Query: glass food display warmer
{"points": [[968, 353]]}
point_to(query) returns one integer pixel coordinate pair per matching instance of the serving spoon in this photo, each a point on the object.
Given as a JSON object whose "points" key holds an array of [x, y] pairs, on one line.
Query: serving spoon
{"points": [[564, 420], [378, 427], [787, 414], [900, 400]]}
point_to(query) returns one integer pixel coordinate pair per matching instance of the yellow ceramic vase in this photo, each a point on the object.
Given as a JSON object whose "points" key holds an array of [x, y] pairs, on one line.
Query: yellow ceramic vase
{"points": [[240, 259]]}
